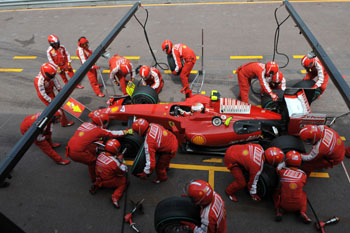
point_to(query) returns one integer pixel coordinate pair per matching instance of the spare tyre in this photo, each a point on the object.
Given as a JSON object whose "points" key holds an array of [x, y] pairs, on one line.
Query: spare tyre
{"points": [[139, 162], [267, 182], [311, 94], [131, 143], [171, 211], [171, 63], [144, 95], [287, 143]]}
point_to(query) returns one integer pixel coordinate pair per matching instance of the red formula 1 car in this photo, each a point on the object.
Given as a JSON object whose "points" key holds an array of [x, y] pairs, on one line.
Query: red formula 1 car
{"points": [[223, 121]]}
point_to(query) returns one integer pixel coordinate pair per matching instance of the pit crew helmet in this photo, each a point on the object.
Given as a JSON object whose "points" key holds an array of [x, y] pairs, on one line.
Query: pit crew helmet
{"points": [[293, 159], [307, 62], [113, 146], [125, 68], [200, 192], [274, 155], [271, 68], [277, 78], [310, 134], [145, 72], [48, 70], [167, 45], [100, 119], [140, 126], [54, 41], [197, 107], [83, 42]]}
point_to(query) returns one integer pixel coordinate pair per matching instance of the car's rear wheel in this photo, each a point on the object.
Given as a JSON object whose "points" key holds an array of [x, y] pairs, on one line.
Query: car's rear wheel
{"points": [[287, 143], [131, 143], [139, 162], [311, 95], [144, 95], [171, 211]]}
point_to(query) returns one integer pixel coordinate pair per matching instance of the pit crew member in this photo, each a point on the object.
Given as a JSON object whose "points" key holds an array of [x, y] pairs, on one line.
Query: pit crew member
{"points": [[157, 140], [81, 147], [290, 196], [44, 83], [181, 53], [328, 148], [277, 82], [315, 70], [111, 171], [120, 67], [44, 139], [250, 158], [213, 212], [58, 55], [247, 72], [152, 77], [83, 52]]}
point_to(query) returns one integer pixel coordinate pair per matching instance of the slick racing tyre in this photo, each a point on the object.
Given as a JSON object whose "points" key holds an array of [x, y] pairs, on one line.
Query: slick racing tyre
{"points": [[139, 162], [131, 143], [144, 95], [311, 94], [267, 181], [171, 63], [287, 143], [171, 211]]}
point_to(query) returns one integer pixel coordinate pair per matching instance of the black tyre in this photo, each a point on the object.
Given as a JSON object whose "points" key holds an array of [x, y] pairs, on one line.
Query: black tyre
{"points": [[171, 63], [139, 162], [311, 94], [287, 143], [171, 211], [267, 181], [144, 95], [132, 143], [255, 86]]}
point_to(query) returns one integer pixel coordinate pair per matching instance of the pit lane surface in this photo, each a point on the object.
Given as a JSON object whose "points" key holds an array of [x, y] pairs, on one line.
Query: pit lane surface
{"points": [[45, 197]]}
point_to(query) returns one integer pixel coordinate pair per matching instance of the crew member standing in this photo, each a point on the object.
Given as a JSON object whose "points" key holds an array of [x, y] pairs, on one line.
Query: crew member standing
{"points": [[290, 196], [157, 140], [315, 70], [249, 157], [181, 53], [152, 77], [247, 72], [111, 171], [81, 147], [44, 139], [213, 212], [83, 52], [119, 68], [58, 55], [44, 84], [327, 151]]}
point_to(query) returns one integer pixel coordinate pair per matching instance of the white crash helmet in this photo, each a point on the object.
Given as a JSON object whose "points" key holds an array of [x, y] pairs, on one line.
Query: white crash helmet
{"points": [[197, 107]]}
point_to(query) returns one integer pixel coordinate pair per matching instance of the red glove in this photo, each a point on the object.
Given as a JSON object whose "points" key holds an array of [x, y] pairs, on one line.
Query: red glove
{"points": [[190, 225], [142, 175], [274, 97], [95, 67], [255, 197]]}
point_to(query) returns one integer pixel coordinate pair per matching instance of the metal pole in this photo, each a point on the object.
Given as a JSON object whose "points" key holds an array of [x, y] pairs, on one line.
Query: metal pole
{"points": [[333, 72], [17, 152]]}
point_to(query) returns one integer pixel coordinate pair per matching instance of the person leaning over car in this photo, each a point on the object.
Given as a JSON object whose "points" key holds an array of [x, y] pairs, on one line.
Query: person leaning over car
{"points": [[152, 77], [213, 212], [44, 139], [157, 140], [249, 157], [328, 148], [181, 52], [247, 72], [81, 147], [119, 68], [276, 82]]}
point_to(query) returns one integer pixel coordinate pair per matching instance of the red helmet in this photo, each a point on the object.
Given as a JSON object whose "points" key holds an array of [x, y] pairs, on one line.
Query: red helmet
{"points": [[310, 134], [140, 126], [200, 192], [293, 158], [48, 70], [307, 62], [112, 146], [274, 155], [83, 42], [54, 41], [271, 68], [100, 119], [277, 78], [145, 72], [167, 46], [125, 68]]}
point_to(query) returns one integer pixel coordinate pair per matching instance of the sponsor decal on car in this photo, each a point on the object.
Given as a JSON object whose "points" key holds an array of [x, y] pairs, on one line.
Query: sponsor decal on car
{"points": [[198, 140], [229, 105]]}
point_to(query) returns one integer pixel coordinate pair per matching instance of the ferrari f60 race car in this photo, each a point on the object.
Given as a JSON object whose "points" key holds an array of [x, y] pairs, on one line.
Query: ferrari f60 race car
{"points": [[222, 122]]}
